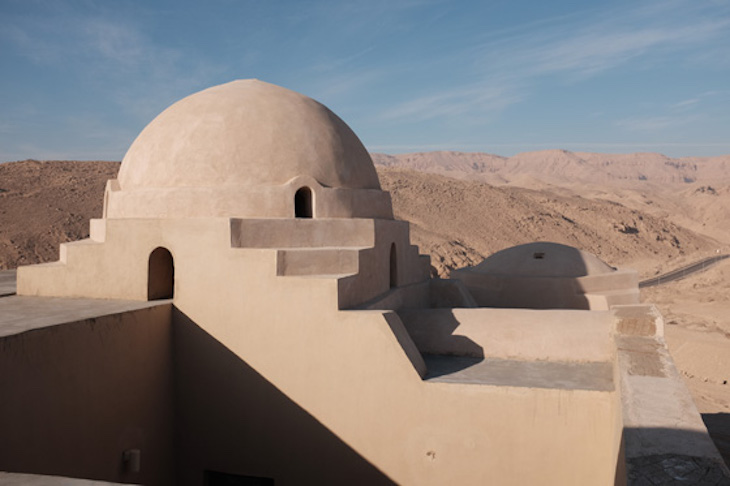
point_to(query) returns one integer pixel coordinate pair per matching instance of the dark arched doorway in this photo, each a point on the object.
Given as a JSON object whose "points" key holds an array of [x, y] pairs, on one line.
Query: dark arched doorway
{"points": [[303, 203], [393, 266], [161, 275]]}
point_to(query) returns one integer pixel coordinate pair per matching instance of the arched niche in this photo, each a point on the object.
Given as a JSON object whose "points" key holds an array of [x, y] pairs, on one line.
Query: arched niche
{"points": [[160, 275], [303, 207]]}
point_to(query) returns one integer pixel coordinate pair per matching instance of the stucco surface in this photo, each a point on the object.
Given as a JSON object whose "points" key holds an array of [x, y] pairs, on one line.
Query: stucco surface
{"points": [[542, 259], [20, 313], [519, 334], [544, 275], [79, 390], [246, 133], [536, 374]]}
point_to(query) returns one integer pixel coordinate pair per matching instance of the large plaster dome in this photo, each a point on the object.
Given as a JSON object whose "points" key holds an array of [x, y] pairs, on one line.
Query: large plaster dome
{"points": [[247, 149], [246, 132]]}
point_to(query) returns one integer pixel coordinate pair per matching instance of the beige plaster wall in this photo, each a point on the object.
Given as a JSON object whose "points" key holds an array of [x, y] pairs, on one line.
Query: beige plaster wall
{"points": [[621, 278], [244, 201], [373, 277], [76, 396], [348, 370], [596, 292], [523, 292], [230, 419], [115, 265], [522, 334], [298, 233]]}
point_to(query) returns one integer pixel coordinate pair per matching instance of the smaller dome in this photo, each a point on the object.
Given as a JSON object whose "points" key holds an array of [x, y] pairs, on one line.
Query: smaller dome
{"points": [[543, 259]]}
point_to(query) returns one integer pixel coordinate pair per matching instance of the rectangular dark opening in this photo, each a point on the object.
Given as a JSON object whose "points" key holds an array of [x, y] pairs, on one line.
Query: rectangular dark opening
{"points": [[538, 255]]}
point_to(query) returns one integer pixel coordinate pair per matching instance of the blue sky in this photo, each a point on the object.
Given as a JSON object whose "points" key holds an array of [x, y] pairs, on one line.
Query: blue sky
{"points": [[80, 79]]}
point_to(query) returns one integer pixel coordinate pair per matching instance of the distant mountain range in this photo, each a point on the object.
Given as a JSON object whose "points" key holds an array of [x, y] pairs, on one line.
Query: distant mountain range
{"points": [[556, 167]]}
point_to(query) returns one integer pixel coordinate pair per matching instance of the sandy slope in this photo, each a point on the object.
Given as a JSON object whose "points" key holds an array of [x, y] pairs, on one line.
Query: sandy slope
{"points": [[697, 316], [696, 311], [461, 222], [693, 192], [45, 203]]}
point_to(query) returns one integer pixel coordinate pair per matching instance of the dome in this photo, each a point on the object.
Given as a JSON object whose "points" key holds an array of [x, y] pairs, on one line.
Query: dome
{"points": [[247, 149], [543, 259], [246, 133]]}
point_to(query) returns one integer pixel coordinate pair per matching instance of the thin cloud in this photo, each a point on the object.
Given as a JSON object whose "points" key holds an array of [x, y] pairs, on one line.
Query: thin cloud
{"points": [[682, 105], [121, 45], [487, 98], [50, 40], [603, 39], [603, 47], [656, 123], [571, 48], [343, 86], [106, 50]]}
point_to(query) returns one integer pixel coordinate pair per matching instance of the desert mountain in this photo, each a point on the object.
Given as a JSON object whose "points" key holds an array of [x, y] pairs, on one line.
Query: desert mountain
{"points": [[562, 166], [45, 203], [461, 222], [693, 192]]}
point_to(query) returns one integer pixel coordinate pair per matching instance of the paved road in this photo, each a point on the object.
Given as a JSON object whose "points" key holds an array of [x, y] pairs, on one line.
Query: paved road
{"points": [[682, 272]]}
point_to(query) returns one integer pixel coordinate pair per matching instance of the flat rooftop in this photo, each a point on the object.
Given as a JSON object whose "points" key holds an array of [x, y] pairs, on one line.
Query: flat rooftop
{"points": [[597, 376], [20, 314]]}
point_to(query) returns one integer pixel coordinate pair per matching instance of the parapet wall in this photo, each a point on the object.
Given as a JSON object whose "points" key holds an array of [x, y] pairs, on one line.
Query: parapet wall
{"points": [[551, 335], [77, 395], [244, 201], [664, 435], [594, 292]]}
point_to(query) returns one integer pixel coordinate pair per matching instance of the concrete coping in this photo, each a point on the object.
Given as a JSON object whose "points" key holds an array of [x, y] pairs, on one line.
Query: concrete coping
{"points": [[19, 314], [641, 320]]}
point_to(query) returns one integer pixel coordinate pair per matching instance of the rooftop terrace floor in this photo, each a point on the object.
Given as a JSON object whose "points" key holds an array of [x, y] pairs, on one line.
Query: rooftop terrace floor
{"points": [[596, 376]]}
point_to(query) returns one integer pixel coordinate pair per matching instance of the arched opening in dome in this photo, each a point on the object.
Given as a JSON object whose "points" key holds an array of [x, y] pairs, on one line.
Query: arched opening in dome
{"points": [[161, 275], [393, 266], [303, 203]]}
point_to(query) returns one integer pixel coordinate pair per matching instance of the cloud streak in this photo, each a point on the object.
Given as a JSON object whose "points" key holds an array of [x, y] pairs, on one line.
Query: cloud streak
{"points": [[484, 98], [107, 50], [656, 123], [569, 50]]}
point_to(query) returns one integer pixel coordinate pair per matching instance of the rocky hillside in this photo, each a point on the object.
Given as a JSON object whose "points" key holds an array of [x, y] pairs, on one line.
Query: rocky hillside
{"points": [[461, 222], [558, 166], [45, 203]]}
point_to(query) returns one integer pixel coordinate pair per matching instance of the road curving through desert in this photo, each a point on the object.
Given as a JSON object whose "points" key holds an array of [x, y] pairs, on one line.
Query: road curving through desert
{"points": [[695, 267]]}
